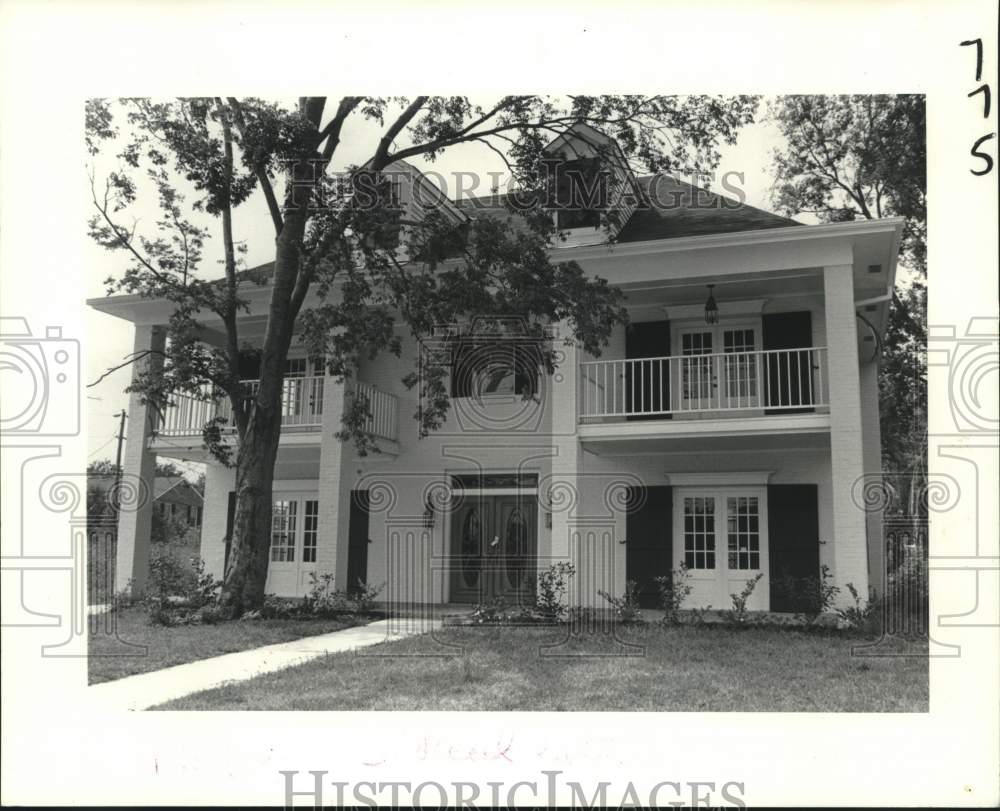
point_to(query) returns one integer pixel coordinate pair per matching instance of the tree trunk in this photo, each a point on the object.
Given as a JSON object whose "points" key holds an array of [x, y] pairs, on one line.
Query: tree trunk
{"points": [[246, 574]]}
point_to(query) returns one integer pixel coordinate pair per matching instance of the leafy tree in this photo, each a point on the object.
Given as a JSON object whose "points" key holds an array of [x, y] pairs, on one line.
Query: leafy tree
{"points": [[865, 156], [102, 467], [337, 281]]}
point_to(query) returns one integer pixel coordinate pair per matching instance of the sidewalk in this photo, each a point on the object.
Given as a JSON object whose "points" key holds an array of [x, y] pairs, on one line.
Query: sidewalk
{"points": [[149, 689]]}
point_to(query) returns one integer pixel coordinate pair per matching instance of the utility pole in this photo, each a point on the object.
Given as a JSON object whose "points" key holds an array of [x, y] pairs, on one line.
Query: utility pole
{"points": [[118, 458]]}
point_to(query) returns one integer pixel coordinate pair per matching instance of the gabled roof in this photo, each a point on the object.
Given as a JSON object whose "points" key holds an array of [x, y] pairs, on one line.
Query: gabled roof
{"points": [[179, 488]]}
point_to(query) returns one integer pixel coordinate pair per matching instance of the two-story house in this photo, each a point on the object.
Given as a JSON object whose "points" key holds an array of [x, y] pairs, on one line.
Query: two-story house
{"points": [[729, 427]]}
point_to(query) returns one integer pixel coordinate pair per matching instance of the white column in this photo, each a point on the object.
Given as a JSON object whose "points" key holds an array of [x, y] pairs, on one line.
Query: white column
{"points": [[334, 486], [135, 525], [220, 481], [850, 554], [566, 458], [872, 436]]}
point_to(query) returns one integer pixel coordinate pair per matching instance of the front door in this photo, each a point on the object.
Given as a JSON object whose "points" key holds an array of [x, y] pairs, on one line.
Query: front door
{"points": [[722, 539], [294, 539], [493, 548]]}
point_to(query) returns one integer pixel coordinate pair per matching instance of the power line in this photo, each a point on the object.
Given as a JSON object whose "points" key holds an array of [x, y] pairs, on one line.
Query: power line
{"points": [[111, 439]]}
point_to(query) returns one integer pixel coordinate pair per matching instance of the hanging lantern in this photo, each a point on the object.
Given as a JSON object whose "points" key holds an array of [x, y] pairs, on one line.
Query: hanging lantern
{"points": [[711, 308]]}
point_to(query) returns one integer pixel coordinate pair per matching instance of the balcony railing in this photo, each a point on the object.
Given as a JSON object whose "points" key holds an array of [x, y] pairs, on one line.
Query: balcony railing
{"points": [[383, 410], [301, 407], [723, 383]]}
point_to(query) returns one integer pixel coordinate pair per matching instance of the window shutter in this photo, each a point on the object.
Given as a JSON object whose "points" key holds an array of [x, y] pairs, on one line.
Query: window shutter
{"points": [[793, 541], [788, 331]]}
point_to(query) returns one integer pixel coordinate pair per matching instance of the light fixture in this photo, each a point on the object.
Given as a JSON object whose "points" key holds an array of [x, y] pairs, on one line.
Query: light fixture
{"points": [[711, 308]]}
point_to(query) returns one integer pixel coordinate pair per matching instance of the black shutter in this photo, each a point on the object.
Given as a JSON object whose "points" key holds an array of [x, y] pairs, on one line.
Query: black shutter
{"points": [[788, 380], [793, 542], [644, 389], [230, 517], [649, 539]]}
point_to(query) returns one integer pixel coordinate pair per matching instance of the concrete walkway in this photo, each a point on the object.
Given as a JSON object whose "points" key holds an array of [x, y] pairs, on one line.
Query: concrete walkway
{"points": [[148, 689]]}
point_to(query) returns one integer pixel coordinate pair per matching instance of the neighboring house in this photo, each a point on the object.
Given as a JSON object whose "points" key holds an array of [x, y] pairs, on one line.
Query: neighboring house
{"points": [[731, 426], [174, 497]]}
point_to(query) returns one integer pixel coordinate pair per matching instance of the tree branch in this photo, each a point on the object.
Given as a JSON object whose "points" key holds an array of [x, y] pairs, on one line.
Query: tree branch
{"points": [[259, 170], [380, 160]]}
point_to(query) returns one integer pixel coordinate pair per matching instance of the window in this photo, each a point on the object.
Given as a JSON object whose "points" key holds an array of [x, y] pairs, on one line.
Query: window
{"points": [[578, 193], [741, 365], [699, 532], [484, 367], [190, 515], [696, 371], [310, 531], [283, 526], [197, 517], [743, 531]]}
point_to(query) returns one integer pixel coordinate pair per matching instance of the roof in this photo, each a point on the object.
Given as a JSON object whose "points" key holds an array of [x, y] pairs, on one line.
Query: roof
{"points": [[178, 488], [668, 208]]}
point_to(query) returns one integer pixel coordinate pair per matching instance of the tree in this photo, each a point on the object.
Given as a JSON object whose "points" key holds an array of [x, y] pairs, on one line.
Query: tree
{"points": [[336, 241], [102, 467], [866, 156]]}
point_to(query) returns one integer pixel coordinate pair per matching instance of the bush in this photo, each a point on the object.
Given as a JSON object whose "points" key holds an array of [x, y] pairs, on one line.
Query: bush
{"points": [[325, 600], [493, 612], [738, 614], [626, 607], [864, 616], [552, 586], [674, 590], [176, 592], [810, 596]]}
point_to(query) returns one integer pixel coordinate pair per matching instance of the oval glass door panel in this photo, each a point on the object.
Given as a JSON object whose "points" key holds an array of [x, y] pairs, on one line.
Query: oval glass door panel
{"points": [[470, 548], [516, 552]]}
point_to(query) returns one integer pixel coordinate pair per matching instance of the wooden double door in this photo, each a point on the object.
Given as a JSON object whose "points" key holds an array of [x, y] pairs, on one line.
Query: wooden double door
{"points": [[494, 549]]}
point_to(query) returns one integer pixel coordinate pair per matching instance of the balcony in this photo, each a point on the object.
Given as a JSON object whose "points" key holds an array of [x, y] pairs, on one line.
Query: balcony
{"points": [[301, 409], [704, 386]]}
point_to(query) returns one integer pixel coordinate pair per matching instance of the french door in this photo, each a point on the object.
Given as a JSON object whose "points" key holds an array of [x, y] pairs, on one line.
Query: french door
{"points": [[493, 549], [294, 544], [719, 368], [721, 536]]}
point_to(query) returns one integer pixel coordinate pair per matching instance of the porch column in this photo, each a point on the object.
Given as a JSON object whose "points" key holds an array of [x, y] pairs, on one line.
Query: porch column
{"points": [[334, 503], [872, 434], [566, 492], [220, 481], [850, 554], [139, 463]]}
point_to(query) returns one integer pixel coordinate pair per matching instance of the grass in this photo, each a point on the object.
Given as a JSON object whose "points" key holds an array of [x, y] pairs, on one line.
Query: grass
{"points": [[176, 645], [680, 669]]}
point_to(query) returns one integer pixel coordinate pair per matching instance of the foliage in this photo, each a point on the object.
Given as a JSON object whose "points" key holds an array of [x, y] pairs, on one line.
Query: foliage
{"points": [[326, 601], [674, 589], [626, 607], [738, 614], [865, 615], [177, 594], [553, 583], [102, 467], [810, 595], [493, 612], [865, 156]]}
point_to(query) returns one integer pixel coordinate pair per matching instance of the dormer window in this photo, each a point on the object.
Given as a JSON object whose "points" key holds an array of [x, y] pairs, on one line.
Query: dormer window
{"points": [[578, 193]]}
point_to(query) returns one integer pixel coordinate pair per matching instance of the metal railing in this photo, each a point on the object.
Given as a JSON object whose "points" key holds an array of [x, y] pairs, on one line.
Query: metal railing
{"points": [[301, 406], [735, 382]]}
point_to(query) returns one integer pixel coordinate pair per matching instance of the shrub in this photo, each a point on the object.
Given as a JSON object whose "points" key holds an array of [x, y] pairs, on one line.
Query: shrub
{"points": [[738, 614], [493, 612], [674, 590], [364, 596], [327, 601], [810, 596], [552, 586], [175, 592], [864, 616], [626, 607]]}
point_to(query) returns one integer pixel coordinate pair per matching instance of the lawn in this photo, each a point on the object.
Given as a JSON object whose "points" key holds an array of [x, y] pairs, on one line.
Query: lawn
{"points": [[175, 645], [679, 669]]}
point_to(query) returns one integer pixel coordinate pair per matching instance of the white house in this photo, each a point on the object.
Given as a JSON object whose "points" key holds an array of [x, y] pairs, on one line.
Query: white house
{"points": [[737, 446]]}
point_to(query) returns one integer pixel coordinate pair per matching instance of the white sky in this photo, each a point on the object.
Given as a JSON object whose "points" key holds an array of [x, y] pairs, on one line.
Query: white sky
{"points": [[111, 339]]}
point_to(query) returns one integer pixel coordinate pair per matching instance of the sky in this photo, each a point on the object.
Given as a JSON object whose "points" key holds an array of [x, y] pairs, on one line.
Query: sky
{"points": [[110, 339]]}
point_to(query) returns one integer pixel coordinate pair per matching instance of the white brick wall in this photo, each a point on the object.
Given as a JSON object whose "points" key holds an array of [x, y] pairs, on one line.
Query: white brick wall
{"points": [[850, 554]]}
